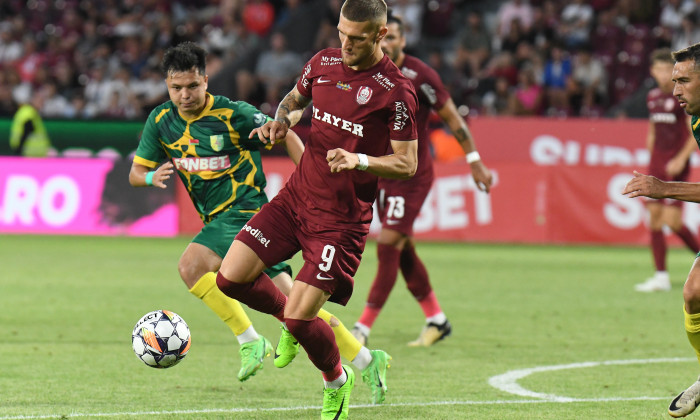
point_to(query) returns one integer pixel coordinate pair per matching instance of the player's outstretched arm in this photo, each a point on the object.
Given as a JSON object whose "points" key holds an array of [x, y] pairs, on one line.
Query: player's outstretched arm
{"points": [[401, 164], [140, 175], [481, 174], [288, 114], [649, 186], [676, 165]]}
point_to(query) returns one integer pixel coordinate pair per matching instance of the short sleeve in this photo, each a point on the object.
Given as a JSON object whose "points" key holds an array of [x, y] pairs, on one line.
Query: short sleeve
{"points": [[305, 81], [246, 119], [432, 88], [150, 152], [402, 114]]}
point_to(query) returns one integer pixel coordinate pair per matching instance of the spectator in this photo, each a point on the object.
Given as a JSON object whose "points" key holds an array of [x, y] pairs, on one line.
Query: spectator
{"points": [[54, 104], [278, 68], [496, 101], [545, 20], [672, 13], [576, 23], [688, 34], [10, 48], [474, 45], [258, 16], [411, 13], [587, 85], [557, 71], [513, 9], [514, 37], [328, 32], [526, 98]]}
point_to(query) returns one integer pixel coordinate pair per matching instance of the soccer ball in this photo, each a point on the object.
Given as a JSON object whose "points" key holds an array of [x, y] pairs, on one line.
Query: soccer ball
{"points": [[161, 339]]}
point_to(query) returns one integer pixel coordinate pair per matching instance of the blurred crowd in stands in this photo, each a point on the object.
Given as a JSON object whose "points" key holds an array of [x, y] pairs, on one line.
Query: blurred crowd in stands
{"points": [[557, 58]]}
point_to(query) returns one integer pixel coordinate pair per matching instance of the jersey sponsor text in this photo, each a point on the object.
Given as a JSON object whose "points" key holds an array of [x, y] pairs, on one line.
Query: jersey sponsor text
{"points": [[257, 234], [346, 125], [663, 117], [383, 81], [201, 164]]}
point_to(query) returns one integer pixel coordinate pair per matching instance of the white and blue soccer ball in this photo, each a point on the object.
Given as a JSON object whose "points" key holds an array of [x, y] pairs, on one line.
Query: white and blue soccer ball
{"points": [[161, 339]]}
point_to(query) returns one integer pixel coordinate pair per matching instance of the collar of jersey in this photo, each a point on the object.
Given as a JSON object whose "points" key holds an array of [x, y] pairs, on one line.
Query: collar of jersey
{"points": [[210, 103]]}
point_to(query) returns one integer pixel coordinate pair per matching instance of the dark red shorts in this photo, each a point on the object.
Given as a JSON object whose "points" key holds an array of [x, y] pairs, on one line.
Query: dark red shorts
{"points": [[331, 255], [399, 203]]}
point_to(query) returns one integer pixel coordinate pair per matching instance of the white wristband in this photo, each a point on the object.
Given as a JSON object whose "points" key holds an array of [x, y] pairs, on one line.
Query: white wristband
{"points": [[364, 162], [473, 157]]}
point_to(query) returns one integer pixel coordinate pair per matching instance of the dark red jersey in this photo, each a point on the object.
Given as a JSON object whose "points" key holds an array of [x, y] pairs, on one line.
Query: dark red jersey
{"points": [[431, 95], [359, 111], [670, 126]]}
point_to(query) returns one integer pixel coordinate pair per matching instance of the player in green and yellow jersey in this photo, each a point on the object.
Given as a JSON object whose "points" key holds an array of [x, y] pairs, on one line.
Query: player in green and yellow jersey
{"points": [[207, 140], [686, 79]]}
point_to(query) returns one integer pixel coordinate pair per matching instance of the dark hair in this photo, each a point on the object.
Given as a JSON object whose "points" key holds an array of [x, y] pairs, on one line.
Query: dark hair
{"points": [[688, 53], [365, 11], [392, 18], [663, 55], [184, 57]]}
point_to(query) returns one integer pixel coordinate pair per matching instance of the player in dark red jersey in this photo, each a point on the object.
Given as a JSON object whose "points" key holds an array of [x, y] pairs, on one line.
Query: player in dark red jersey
{"points": [[670, 143], [400, 201], [686, 87], [362, 106]]}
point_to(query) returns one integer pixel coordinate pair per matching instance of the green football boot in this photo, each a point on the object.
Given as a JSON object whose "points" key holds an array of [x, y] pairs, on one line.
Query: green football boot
{"points": [[336, 402], [374, 375], [252, 355], [287, 348]]}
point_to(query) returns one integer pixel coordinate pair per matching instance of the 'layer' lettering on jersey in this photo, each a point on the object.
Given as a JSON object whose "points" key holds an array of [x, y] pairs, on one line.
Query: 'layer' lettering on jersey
{"points": [[331, 119], [200, 164]]}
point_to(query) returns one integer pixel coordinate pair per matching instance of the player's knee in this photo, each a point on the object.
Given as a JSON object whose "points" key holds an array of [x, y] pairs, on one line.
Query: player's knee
{"points": [[691, 294], [187, 273]]}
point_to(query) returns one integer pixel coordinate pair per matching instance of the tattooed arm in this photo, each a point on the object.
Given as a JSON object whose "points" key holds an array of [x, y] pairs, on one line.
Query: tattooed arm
{"points": [[481, 174], [288, 114]]}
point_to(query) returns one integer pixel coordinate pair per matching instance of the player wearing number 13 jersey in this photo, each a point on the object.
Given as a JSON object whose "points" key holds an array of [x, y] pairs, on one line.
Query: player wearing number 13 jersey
{"points": [[400, 201], [362, 107]]}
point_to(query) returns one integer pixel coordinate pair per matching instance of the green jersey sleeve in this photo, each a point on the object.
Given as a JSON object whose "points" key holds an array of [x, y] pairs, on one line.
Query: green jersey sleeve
{"points": [[695, 126], [150, 152], [246, 119]]}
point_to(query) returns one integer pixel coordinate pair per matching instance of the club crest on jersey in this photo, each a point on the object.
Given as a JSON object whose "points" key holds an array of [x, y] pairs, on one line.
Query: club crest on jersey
{"points": [[669, 104], [363, 95], [217, 142]]}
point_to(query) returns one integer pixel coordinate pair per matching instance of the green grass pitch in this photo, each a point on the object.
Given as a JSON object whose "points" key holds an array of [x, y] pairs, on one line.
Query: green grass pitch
{"points": [[536, 313]]}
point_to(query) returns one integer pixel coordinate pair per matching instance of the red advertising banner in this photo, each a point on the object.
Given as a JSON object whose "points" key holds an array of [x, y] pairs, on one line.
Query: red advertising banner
{"points": [[555, 181]]}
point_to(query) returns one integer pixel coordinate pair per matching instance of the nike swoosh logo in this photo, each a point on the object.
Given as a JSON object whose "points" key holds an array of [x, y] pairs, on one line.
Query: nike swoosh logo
{"points": [[340, 410], [321, 80], [320, 277]]}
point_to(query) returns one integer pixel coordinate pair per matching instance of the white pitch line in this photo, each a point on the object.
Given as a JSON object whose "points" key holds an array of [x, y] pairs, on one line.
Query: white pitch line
{"points": [[304, 408], [508, 382]]}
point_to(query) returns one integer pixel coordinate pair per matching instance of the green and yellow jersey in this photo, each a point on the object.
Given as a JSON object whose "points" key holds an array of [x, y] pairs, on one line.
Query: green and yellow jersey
{"points": [[220, 167], [695, 126]]}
